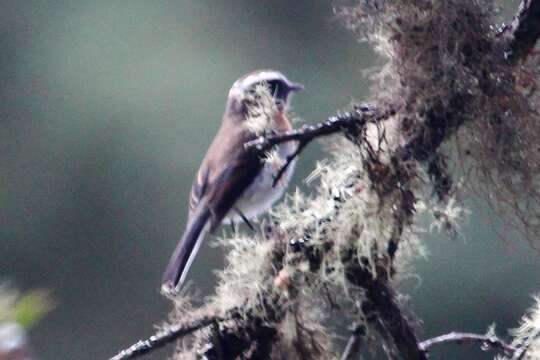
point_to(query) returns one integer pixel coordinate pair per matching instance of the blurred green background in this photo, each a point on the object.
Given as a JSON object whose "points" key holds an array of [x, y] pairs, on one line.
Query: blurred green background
{"points": [[107, 108]]}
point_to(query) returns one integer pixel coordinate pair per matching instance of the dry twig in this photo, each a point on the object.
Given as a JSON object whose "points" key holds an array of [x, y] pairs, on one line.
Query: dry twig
{"points": [[487, 342]]}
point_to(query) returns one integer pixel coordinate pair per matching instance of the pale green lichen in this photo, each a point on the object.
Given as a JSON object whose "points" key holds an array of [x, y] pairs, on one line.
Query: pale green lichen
{"points": [[446, 71], [448, 217], [25, 309], [527, 334], [261, 109], [247, 276], [274, 159]]}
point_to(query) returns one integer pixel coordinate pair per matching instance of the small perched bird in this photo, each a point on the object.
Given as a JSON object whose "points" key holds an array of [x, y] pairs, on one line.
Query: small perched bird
{"points": [[234, 184]]}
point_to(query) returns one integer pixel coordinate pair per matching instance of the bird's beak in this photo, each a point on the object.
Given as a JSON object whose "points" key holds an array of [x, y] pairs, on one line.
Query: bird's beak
{"points": [[294, 87]]}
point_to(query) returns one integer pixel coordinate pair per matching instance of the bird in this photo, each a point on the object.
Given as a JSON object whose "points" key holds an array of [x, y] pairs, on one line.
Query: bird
{"points": [[234, 184]]}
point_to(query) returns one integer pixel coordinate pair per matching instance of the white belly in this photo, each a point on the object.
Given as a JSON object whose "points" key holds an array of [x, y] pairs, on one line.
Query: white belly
{"points": [[261, 194]]}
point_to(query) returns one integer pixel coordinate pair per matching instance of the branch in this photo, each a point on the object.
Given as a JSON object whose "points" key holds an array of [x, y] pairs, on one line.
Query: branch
{"points": [[351, 123], [487, 342], [306, 133], [524, 33], [353, 345], [288, 161], [252, 339], [381, 298], [525, 30], [170, 334]]}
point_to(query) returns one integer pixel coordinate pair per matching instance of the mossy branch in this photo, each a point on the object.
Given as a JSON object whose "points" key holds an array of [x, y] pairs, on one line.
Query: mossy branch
{"points": [[348, 123], [170, 334]]}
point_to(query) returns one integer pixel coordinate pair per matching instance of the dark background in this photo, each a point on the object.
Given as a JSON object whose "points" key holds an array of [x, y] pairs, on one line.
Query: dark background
{"points": [[106, 109]]}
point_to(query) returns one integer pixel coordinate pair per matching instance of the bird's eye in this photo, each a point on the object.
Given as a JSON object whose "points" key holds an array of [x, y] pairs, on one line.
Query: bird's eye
{"points": [[277, 89], [273, 87]]}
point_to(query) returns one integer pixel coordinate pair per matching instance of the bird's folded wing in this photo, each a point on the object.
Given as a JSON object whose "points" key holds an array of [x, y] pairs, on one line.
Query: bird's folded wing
{"points": [[213, 195], [219, 190], [226, 171]]}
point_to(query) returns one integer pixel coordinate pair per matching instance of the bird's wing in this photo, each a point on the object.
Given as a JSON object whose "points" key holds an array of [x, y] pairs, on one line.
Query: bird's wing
{"points": [[227, 170]]}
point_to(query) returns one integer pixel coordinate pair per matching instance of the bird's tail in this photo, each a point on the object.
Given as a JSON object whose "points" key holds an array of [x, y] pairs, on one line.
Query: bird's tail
{"points": [[185, 251]]}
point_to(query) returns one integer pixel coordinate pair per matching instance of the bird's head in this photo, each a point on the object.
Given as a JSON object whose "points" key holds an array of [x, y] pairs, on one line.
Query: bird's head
{"points": [[275, 83]]}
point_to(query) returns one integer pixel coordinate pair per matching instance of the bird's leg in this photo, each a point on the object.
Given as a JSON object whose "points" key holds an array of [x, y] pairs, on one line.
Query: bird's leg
{"points": [[244, 218], [233, 227]]}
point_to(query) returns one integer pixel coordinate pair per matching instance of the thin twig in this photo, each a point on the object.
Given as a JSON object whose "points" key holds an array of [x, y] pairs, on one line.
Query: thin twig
{"points": [[525, 30], [348, 121], [487, 342], [301, 145], [353, 345], [393, 321], [169, 335]]}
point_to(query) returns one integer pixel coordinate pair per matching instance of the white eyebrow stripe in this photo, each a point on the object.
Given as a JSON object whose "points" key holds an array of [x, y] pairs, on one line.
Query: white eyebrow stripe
{"points": [[258, 77]]}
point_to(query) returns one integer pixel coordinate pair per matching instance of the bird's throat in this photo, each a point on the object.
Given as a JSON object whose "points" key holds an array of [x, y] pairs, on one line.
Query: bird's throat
{"points": [[282, 122]]}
